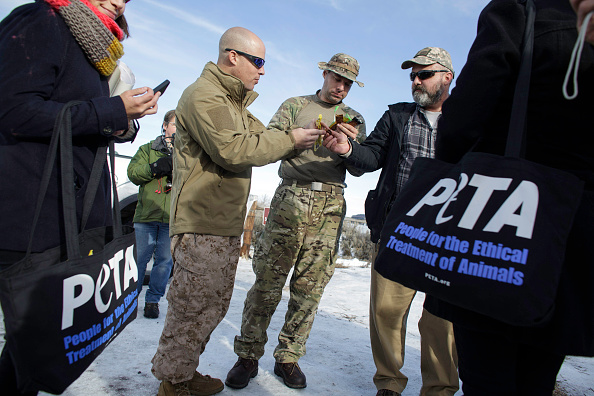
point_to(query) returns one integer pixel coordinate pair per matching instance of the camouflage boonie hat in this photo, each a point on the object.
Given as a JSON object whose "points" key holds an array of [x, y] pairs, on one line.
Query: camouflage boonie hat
{"points": [[343, 65], [429, 56]]}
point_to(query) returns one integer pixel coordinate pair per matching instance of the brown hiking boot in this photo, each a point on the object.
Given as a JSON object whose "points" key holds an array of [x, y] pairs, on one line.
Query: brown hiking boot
{"points": [[168, 389], [291, 374], [241, 373], [204, 385]]}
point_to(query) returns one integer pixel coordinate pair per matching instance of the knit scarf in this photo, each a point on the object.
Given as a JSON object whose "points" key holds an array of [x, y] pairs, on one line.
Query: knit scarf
{"points": [[97, 34]]}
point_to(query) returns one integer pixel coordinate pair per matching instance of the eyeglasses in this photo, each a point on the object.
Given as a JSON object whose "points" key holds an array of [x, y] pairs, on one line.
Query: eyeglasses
{"points": [[425, 74], [258, 62]]}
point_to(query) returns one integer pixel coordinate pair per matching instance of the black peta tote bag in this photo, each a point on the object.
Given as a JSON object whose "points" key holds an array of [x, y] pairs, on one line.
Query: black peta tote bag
{"points": [[487, 234], [62, 309]]}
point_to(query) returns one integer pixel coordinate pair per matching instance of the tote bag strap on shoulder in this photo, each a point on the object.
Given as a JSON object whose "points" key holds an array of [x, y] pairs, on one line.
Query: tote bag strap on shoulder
{"points": [[517, 123]]}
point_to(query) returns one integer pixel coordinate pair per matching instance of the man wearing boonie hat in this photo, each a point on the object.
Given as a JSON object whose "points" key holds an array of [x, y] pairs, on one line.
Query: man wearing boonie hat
{"points": [[405, 131], [343, 65], [301, 231]]}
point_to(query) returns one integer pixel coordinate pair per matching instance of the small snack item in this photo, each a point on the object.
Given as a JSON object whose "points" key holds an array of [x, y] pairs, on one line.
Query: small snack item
{"points": [[344, 119], [318, 142]]}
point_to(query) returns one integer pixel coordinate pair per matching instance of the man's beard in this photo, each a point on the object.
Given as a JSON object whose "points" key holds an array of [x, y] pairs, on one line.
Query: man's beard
{"points": [[425, 98]]}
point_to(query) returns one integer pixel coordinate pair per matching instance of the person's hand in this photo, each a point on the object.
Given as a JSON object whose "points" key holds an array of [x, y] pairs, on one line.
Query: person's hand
{"points": [[313, 125], [140, 102], [337, 142], [305, 138], [348, 130], [162, 167], [582, 8], [125, 133]]}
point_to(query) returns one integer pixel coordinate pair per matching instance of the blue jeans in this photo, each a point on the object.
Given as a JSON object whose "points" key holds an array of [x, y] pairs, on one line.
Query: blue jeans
{"points": [[153, 239]]}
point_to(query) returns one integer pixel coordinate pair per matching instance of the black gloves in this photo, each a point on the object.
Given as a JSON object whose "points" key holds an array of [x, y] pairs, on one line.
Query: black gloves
{"points": [[162, 167]]}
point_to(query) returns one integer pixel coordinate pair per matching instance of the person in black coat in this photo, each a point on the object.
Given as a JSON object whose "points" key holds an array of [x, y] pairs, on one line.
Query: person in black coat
{"points": [[47, 68], [496, 358], [47, 62]]}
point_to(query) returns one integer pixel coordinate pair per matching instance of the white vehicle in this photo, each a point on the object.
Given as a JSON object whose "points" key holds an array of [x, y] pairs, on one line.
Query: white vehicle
{"points": [[127, 191]]}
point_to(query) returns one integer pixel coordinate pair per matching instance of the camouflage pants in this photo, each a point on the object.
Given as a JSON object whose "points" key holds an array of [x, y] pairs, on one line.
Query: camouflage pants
{"points": [[199, 297], [302, 231]]}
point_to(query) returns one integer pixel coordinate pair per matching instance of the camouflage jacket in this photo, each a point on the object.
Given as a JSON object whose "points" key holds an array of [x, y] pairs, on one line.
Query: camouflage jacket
{"points": [[311, 165]]}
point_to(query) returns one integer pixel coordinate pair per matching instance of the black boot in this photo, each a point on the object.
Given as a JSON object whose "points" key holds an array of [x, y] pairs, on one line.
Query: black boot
{"points": [[291, 374], [241, 373], [151, 310]]}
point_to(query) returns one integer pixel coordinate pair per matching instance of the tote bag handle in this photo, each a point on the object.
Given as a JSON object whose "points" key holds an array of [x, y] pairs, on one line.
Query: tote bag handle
{"points": [[62, 135], [517, 123]]}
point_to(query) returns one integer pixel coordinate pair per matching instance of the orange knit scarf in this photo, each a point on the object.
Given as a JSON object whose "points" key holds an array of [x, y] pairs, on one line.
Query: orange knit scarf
{"points": [[97, 34]]}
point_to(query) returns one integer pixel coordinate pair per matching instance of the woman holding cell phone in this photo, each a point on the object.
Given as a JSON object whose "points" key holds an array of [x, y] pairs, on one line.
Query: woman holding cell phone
{"points": [[60, 51]]}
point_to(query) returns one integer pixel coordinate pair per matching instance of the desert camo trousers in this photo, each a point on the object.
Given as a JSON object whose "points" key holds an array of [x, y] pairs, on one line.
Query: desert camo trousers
{"points": [[302, 233], [199, 297]]}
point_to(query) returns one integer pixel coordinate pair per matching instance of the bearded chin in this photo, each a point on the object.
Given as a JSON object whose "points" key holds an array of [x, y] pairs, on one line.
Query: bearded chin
{"points": [[424, 98]]}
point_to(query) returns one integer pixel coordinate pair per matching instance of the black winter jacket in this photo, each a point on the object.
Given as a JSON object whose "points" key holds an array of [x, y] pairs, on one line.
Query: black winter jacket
{"points": [[42, 68], [381, 149]]}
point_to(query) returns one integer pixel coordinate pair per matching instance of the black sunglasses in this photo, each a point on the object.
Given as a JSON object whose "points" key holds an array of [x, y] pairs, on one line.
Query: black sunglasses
{"points": [[425, 74], [258, 62]]}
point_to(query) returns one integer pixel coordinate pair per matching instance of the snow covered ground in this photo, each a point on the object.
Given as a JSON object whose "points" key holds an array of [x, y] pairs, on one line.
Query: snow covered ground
{"points": [[338, 359]]}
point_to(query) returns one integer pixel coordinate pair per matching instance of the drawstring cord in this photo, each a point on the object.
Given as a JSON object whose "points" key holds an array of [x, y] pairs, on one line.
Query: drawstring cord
{"points": [[576, 55]]}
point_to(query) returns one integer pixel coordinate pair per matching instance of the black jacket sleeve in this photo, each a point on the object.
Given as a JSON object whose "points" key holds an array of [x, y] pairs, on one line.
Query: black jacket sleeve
{"points": [[370, 155]]}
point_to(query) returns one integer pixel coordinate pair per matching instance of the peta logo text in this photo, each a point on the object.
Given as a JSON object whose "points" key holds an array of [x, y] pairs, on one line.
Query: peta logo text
{"points": [[80, 289], [518, 210]]}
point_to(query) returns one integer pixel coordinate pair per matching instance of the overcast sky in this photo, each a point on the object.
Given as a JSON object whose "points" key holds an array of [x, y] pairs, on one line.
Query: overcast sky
{"points": [[174, 39]]}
